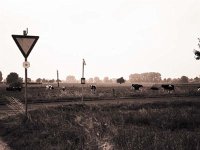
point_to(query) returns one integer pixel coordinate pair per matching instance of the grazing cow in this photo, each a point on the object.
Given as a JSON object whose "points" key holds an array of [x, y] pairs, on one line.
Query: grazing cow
{"points": [[168, 87], [198, 89], [93, 89], [49, 87], [63, 88], [14, 88], [154, 88], [136, 87]]}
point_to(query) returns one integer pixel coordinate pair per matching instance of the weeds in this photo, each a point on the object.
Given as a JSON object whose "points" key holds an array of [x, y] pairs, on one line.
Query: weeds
{"points": [[159, 125]]}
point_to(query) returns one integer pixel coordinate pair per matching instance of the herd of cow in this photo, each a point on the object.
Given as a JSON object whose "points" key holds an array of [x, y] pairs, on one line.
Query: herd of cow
{"points": [[136, 87], [168, 87]]}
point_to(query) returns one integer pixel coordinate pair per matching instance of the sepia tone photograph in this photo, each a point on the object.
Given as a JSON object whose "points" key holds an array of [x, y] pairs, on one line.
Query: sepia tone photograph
{"points": [[99, 75]]}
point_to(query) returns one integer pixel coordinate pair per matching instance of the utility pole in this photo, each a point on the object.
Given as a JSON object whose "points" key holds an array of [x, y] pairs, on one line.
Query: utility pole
{"points": [[58, 78], [82, 79]]}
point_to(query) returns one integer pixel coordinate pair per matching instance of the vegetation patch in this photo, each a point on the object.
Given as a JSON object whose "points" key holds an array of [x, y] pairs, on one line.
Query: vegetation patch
{"points": [[158, 125]]}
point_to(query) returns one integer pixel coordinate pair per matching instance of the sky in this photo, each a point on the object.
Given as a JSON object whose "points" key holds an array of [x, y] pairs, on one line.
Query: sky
{"points": [[115, 37]]}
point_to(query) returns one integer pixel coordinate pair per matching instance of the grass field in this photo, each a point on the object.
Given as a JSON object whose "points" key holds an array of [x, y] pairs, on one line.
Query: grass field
{"points": [[141, 123], [127, 126], [73, 92]]}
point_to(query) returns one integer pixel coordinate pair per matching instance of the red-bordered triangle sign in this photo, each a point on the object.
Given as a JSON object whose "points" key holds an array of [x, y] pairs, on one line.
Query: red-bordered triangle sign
{"points": [[25, 43]]}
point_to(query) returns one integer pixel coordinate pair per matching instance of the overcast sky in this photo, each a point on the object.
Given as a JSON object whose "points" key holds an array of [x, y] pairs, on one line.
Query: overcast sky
{"points": [[116, 37]]}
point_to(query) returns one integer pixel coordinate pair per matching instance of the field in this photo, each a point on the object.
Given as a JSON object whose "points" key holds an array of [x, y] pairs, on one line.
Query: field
{"points": [[157, 125], [127, 120], [73, 92]]}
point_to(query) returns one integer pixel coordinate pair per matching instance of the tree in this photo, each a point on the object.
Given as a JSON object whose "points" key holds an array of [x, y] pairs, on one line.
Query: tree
{"points": [[29, 80], [121, 80], [154, 77], [184, 79], [97, 80], [71, 79], [90, 80], [13, 79], [1, 77], [51, 81], [196, 79], [39, 80]]}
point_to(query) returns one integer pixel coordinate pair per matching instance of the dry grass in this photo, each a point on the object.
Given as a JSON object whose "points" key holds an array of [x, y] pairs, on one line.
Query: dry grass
{"points": [[158, 125]]}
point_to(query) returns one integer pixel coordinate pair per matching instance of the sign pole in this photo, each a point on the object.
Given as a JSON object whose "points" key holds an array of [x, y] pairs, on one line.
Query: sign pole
{"points": [[25, 44], [26, 105]]}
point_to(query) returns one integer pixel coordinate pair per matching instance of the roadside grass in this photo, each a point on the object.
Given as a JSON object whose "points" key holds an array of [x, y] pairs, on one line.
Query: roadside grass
{"points": [[149, 126]]}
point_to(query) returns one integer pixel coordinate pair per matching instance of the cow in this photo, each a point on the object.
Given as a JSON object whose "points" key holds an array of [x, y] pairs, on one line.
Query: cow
{"points": [[198, 88], [136, 87], [168, 87], [93, 89], [49, 87], [63, 88]]}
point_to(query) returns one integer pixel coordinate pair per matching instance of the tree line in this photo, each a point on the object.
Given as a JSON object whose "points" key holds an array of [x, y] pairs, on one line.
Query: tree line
{"points": [[148, 77]]}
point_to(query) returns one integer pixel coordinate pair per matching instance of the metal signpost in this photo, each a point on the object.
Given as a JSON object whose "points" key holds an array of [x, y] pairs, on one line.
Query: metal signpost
{"points": [[82, 79], [58, 78], [25, 44]]}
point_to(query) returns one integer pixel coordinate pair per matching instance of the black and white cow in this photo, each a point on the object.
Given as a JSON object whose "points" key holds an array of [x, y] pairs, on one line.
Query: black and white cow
{"points": [[198, 88], [63, 88], [49, 87], [136, 87], [93, 89], [168, 87]]}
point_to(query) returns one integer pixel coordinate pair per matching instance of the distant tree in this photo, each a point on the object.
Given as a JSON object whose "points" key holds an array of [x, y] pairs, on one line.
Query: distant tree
{"points": [[196, 79], [154, 77], [1, 77], [90, 80], [20, 79], [121, 80], [184, 79], [105, 79], [97, 80], [51, 81], [175, 80], [13, 79], [71, 79], [29, 80], [39, 80], [169, 80], [114, 80], [44, 80]]}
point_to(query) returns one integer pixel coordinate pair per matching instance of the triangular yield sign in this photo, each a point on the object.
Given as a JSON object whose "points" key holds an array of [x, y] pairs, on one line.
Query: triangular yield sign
{"points": [[25, 43]]}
